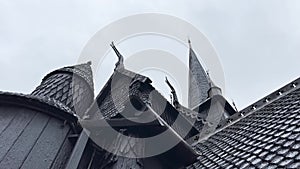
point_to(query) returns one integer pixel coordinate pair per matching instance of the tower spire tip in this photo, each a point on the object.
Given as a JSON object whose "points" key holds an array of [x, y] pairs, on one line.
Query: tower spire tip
{"points": [[190, 43]]}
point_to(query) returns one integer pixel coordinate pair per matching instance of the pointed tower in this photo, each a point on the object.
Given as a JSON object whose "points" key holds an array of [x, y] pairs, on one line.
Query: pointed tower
{"points": [[206, 98], [198, 80], [72, 86]]}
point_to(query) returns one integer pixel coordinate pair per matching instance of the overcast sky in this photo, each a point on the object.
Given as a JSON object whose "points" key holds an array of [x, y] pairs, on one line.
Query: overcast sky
{"points": [[258, 42]]}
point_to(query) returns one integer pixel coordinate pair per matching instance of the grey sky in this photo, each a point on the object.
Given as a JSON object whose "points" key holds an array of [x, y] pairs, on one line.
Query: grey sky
{"points": [[257, 41]]}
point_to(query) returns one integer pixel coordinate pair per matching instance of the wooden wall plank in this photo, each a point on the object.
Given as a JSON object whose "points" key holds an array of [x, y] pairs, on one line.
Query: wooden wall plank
{"points": [[47, 146], [63, 155], [22, 147], [14, 129], [6, 116]]}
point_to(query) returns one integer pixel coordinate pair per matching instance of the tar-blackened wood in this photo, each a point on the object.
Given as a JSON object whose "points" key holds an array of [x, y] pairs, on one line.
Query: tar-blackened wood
{"points": [[32, 139], [63, 155], [126, 153], [86, 158], [34, 128], [6, 117], [11, 133], [21, 148], [47, 146]]}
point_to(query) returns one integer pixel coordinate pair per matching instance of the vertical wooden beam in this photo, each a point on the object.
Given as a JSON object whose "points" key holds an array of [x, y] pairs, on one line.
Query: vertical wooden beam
{"points": [[78, 150]]}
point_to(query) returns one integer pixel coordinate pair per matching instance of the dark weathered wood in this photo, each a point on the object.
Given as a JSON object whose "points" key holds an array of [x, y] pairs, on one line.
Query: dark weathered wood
{"points": [[23, 145], [96, 159], [213, 118], [126, 153], [86, 158], [6, 116], [78, 150], [63, 155], [117, 123], [11, 133], [47, 146]]}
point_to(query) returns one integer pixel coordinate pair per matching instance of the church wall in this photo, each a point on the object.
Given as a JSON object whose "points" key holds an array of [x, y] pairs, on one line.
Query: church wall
{"points": [[31, 139]]}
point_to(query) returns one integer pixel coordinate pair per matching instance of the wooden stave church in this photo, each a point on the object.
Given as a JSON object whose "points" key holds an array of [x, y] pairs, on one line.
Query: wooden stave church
{"points": [[52, 127]]}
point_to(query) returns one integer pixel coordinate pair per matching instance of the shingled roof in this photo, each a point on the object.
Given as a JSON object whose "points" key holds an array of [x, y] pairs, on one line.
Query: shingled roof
{"points": [[124, 89], [264, 135], [115, 94], [72, 86], [124, 85], [83, 70]]}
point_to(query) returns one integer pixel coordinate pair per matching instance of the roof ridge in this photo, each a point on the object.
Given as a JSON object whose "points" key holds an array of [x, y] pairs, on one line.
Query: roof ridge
{"points": [[276, 95]]}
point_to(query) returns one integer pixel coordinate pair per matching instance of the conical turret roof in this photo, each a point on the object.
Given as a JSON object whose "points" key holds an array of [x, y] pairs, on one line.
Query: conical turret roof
{"points": [[72, 86], [83, 70]]}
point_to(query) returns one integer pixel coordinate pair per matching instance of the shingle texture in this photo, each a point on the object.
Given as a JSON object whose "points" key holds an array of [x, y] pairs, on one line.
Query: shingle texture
{"points": [[195, 118], [267, 138], [124, 85], [83, 70], [45, 100], [117, 92], [198, 81], [72, 86]]}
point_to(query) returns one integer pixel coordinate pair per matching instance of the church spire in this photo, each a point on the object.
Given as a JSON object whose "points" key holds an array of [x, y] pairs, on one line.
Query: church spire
{"points": [[120, 63], [198, 80]]}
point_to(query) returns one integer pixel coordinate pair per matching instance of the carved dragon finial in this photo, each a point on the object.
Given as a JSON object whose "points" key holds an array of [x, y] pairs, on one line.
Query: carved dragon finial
{"points": [[175, 99], [120, 63]]}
